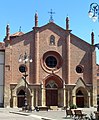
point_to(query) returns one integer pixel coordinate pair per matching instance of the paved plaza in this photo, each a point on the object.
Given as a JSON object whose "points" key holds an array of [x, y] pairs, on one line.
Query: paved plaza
{"points": [[18, 114]]}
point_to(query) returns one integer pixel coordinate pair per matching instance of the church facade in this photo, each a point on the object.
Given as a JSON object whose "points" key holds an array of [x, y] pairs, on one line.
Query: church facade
{"points": [[62, 71]]}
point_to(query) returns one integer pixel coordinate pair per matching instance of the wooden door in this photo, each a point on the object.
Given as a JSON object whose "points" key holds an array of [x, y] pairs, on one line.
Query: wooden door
{"points": [[20, 98], [51, 97], [20, 101], [80, 101]]}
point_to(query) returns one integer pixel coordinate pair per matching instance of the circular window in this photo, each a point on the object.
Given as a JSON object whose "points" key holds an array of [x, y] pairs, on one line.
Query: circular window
{"points": [[22, 68], [79, 69], [51, 61]]}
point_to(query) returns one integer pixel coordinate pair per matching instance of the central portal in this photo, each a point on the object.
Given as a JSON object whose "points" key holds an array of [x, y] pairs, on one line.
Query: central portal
{"points": [[51, 94]]}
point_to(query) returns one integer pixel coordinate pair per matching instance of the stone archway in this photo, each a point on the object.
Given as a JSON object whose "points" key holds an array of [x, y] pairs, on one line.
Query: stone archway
{"points": [[81, 97], [18, 93], [21, 96], [53, 91]]}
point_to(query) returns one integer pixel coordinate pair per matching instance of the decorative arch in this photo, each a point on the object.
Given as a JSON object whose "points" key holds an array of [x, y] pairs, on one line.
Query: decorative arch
{"points": [[80, 83], [81, 97], [23, 88], [81, 94], [20, 86], [18, 93], [21, 96], [53, 85], [54, 78]]}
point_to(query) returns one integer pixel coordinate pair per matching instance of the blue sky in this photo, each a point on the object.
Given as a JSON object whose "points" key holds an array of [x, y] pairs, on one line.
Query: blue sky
{"points": [[21, 13]]}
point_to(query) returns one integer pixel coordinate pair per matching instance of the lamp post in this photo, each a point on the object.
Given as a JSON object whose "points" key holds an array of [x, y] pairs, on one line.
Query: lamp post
{"points": [[23, 69], [94, 11], [97, 45], [94, 14]]}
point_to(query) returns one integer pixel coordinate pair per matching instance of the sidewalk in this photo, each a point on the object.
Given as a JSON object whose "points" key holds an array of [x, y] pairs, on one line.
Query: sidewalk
{"points": [[51, 115]]}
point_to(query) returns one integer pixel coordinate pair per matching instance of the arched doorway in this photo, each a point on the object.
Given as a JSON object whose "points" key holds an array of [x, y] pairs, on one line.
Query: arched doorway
{"points": [[20, 98], [53, 90], [51, 94], [79, 99]]}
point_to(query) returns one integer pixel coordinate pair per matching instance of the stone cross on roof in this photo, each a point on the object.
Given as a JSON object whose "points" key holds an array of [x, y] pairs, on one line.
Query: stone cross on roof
{"points": [[51, 16]]}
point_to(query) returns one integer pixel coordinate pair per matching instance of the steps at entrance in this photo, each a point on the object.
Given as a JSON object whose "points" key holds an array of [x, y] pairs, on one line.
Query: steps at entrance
{"points": [[54, 107]]}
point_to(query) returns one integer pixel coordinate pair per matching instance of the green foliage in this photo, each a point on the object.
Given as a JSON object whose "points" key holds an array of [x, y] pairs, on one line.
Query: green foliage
{"points": [[73, 106]]}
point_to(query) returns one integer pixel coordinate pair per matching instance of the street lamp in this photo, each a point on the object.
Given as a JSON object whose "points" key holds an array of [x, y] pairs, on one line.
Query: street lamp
{"points": [[97, 45], [94, 14], [23, 69], [94, 11]]}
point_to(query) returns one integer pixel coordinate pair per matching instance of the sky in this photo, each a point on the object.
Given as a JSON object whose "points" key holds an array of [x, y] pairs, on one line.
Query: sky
{"points": [[18, 13]]}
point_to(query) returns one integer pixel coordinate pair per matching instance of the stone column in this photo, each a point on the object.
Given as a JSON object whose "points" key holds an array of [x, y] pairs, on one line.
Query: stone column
{"points": [[32, 99], [89, 100], [36, 97], [64, 95], [68, 92], [74, 99], [43, 97], [14, 101]]}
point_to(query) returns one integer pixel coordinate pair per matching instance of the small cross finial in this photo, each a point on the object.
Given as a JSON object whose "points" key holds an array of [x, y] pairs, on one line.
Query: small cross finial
{"points": [[51, 15]]}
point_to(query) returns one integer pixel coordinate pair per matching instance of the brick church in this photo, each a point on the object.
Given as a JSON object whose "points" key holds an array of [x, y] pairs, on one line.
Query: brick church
{"points": [[62, 70]]}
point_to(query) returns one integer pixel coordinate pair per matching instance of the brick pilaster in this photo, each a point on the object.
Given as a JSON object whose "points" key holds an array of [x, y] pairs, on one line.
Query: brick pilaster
{"points": [[68, 55], [36, 34]]}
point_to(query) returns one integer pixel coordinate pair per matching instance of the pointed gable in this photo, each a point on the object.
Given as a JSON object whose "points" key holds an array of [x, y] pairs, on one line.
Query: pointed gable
{"points": [[80, 83], [53, 27]]}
